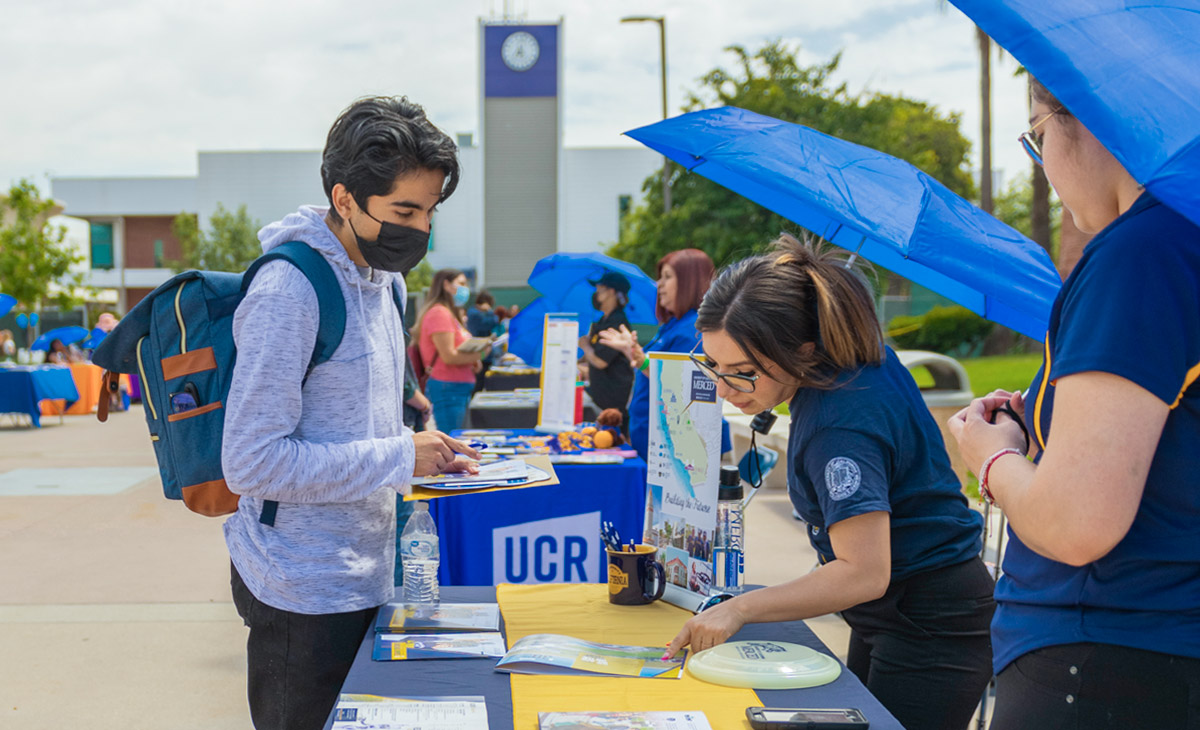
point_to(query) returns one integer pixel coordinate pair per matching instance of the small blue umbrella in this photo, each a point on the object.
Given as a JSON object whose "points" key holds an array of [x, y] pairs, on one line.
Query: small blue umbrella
{"points": [[7, 302], [562, 279], [94, 339], [1129, 71], [66, 335], [870, 203]]}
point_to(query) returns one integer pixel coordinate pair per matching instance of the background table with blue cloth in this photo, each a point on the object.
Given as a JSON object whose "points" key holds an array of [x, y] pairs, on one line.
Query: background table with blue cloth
{"points": [[541, 534], [22, 388], [458, 677]]}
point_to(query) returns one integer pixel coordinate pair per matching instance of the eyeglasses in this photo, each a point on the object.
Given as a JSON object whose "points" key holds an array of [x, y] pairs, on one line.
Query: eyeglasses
{"points": [[1031, 140], [740, 383]]}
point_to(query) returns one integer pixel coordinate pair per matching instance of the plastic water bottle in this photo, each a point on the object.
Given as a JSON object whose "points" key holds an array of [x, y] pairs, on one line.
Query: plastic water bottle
{"points": [[727, 550], [420, 557]]}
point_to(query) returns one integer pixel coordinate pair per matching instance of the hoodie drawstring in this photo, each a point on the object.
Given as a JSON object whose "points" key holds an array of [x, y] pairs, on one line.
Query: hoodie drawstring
{"points": [[362, 315]]}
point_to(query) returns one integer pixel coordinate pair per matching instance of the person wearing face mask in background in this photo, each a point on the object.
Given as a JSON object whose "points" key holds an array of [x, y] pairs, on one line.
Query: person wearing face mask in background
{"points": [[330, 446], [439, 333], [610, 376]]}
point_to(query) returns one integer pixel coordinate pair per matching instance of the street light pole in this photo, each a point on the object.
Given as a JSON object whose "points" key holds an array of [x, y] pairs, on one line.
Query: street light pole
{"points": [[662, 47]]}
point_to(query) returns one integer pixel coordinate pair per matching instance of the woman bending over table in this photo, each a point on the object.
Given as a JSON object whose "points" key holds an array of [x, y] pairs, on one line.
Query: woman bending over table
{"points": [[868, 471]]}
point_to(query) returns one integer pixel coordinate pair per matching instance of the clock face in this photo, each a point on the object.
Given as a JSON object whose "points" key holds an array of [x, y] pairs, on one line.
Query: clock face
{"points": [[519, 51]]}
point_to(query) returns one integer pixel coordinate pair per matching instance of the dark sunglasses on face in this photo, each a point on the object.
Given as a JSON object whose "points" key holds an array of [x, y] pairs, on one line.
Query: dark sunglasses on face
{"points": [[1031, 139]]}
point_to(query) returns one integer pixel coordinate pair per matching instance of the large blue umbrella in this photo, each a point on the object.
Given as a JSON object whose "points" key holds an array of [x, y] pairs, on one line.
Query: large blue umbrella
{"points": [[527, 330], [562, 279], [871, 203], [67, 335], [1129, 71], [7, 302]]}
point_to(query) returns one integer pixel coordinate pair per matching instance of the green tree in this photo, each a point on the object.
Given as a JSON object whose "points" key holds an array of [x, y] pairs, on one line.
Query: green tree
{"points": [[419, 279], [230, 244], [1016, 206], [35, 261], [771, 81]]}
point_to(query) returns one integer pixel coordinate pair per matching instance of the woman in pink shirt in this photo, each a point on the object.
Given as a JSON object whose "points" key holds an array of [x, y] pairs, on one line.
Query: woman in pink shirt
{"points": [[440, 332]]}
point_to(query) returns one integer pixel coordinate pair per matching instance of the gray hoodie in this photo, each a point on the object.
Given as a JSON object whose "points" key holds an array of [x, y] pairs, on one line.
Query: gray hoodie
{"points": [[333, 452]]}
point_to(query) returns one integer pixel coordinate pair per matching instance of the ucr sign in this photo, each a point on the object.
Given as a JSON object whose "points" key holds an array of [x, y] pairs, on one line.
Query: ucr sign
{"points": [[557, 550]]}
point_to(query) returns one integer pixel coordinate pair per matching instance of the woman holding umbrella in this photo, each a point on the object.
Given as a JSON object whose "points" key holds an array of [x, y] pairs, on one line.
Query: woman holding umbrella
{"points": [[610, 375], [868, 471], [1098, 610], [683, 277]]}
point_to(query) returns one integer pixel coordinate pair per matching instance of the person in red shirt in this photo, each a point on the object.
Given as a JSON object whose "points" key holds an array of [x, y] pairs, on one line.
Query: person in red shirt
{"points": [[440, 332]]}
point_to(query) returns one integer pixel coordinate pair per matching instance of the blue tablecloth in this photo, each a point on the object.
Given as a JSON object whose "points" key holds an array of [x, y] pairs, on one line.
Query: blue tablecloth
{"points": [[22, 388], [451, 677], [541, 534]]}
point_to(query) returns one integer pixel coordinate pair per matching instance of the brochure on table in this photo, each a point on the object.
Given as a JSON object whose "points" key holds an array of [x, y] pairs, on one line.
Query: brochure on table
{"points": [[684, 462], [400, 617], [556, 410], [623, 721], [559, 654], [407, 713], [462, 645], [539, 466]]}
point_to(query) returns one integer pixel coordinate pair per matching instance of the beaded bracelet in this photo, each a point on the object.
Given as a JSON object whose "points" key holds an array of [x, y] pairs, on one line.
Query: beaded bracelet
{"points": [[987, 468]]}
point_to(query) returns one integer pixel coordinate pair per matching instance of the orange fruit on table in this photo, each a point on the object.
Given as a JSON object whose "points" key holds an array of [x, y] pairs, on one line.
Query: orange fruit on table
{"points": [[604, 439]]}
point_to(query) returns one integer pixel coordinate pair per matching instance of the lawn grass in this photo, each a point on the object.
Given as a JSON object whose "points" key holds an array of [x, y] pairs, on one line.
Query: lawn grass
{"points": [[1008, 372]]}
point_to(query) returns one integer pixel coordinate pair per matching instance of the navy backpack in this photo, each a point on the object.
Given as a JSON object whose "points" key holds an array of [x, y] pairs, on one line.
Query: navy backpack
{"points": [[179, 340]]}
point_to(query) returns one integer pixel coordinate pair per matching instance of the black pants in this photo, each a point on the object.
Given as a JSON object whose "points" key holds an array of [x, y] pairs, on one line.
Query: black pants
{"points": [[296, 662], [1098, 686], [924, 649]]}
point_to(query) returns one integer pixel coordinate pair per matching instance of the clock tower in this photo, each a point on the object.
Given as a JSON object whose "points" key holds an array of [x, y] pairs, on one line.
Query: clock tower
{"points": [[522, 140]]}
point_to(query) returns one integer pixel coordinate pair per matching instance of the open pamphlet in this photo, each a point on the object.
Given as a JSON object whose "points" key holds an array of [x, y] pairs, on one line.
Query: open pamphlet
{"points": [[459, 645], [508, 472], [437, 617], [623, 721], [410, 713], [475, 344], [558, 654]]}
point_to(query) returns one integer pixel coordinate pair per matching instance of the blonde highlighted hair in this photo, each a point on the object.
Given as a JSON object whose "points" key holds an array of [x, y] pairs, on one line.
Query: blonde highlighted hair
{"points": [[775, 304]]}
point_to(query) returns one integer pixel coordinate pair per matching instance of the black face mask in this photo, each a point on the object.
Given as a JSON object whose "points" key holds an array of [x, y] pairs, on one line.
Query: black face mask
{"points": [[595, 301], [397, 248]]}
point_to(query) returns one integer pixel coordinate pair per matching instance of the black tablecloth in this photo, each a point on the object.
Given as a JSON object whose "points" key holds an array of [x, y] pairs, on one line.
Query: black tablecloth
{"points": [[508, 417], [450, 677], [508, 381]]}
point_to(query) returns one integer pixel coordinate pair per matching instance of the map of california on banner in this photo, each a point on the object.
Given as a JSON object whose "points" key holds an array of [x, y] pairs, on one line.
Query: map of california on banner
{"points": [[684, 459]]}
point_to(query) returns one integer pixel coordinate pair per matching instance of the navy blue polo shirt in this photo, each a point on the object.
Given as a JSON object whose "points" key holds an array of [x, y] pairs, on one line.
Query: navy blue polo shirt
{"points": [[1131, 307], [871, 445], [677, 334]]}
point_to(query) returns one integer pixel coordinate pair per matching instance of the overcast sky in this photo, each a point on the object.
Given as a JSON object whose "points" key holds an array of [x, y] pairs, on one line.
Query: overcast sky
{"points": [[137, 87]]}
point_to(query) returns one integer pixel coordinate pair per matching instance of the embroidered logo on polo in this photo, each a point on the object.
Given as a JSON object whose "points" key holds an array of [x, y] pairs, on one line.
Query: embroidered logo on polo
{"points": [[842, 477]]}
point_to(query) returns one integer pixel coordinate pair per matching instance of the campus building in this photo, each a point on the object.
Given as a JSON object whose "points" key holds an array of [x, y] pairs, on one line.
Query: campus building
{"points": [[522, 195]]}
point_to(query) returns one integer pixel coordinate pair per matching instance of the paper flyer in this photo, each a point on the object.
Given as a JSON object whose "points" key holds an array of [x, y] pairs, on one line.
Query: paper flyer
{"points": [[623, 721], [460, 645], [558, 654], [684, 463], [556, 411], [409, 713], [408, 617]]}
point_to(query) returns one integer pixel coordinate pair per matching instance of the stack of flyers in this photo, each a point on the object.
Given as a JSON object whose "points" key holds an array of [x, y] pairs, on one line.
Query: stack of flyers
{"points": [[437, 617], [462, 645], [406, 713]]}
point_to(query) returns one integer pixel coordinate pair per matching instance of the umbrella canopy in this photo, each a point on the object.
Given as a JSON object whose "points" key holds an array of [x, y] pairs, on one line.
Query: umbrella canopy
{"points": [[7, 302], [562, 279], [94, 339], [526, 330], [871, 203], [1130, 72], [67, 335]]}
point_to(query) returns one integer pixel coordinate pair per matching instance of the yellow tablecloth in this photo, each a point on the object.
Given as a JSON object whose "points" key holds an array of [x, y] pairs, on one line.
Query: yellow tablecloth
{"points": [[583, 611]]}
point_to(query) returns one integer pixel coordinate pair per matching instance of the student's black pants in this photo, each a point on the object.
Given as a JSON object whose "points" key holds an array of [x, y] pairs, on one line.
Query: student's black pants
{"points": [[1098, 686], [924, 649], [296, 662]]}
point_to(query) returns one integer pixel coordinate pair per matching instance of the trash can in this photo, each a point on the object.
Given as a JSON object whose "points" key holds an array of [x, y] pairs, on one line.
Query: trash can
{"points": [[950, 392]]}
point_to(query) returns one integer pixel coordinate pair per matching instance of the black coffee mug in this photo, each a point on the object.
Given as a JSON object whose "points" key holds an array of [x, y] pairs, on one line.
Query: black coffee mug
{"points": [[631, 575]]}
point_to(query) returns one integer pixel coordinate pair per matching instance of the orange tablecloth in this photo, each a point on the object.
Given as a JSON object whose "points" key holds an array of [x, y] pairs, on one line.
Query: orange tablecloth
{"points": [[87, 382]]}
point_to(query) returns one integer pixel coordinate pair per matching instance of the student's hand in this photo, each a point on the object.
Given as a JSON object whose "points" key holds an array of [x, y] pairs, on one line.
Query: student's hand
{"points": [[977, 438], [708, 628], [437, 453]]}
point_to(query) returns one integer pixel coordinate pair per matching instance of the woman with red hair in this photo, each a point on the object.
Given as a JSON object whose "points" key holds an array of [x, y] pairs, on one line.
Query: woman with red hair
{"points": [[683, 278]]}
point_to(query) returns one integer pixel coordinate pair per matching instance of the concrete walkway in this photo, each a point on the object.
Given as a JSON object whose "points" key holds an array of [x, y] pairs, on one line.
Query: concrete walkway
{"points": [[115, 609]]}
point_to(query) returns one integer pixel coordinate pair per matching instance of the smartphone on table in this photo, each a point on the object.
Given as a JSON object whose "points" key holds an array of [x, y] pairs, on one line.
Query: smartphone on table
{"points": [[782, 718]]}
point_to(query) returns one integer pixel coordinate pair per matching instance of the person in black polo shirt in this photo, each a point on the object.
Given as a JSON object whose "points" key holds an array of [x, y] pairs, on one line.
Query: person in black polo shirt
{"points": [[868, 471], [610, 377]]}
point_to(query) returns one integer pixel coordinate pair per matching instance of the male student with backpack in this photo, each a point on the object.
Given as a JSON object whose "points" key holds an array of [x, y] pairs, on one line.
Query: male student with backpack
{"points": [[329, 446]]}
